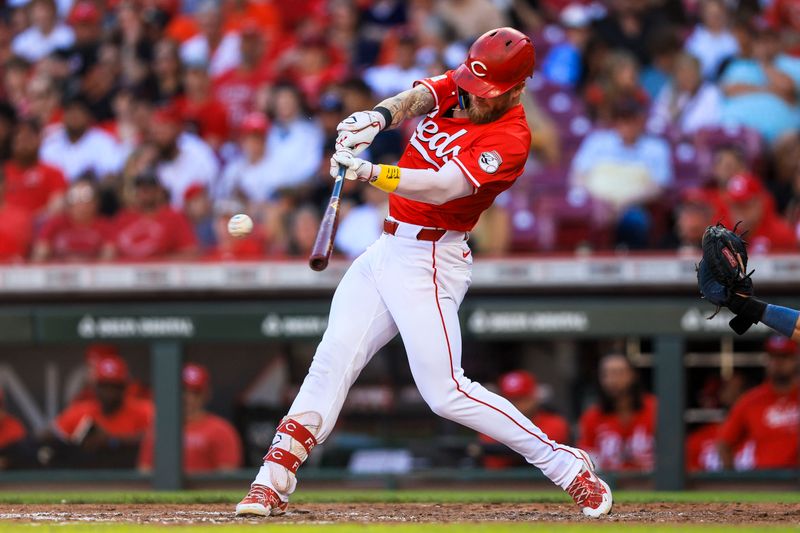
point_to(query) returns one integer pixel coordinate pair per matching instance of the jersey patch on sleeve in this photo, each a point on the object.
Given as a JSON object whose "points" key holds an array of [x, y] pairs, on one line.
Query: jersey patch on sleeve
{"points": [[490, 161]]}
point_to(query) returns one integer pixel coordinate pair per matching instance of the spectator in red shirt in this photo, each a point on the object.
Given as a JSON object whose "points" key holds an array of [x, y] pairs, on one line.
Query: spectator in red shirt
{"points": [[312, 65], [205, 115], [520, 388], [750, 202], [210, 443], [12, 432], [31, 184], [784, 17], [151, 229], [16, 228], [728, 161], [112, 419], [237, 89], [85, 385], [768, 415], [79, 234], [619, 431]]}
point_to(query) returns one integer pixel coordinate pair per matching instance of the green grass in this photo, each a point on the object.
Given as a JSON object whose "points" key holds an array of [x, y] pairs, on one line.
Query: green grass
{"points": [[399, 528], [386, 496]]}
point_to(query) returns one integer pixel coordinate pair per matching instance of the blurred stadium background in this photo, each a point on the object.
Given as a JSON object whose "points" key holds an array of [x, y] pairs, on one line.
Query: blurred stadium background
{"points": [[131, 130]]}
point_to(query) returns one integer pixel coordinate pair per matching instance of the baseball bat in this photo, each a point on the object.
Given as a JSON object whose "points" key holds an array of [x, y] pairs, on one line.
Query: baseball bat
{"points": [[323, 246]]}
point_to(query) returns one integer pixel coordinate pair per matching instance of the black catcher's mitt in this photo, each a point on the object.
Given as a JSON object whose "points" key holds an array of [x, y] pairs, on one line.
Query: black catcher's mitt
{"points": [[722, 273]]}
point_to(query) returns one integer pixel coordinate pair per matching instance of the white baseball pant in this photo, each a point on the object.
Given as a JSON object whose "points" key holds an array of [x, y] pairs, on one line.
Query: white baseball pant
{"points": [[401, 284]]}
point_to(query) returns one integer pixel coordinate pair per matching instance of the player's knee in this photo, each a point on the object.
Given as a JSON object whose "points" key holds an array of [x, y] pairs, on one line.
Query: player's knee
{"points": [[443, 407]]}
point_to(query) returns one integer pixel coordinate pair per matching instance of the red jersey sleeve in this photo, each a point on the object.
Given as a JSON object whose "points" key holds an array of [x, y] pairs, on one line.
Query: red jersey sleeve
{"points": [[734, 428], [440, 86], [227, 447], [499, 158], [67, 422]]}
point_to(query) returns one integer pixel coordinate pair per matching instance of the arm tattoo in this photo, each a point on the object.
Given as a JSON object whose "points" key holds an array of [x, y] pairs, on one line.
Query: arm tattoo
{"points": [[411, 103]]}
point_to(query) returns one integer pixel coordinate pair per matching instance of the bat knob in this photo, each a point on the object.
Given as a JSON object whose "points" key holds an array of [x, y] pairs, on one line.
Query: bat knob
{"points": [[318, 264]]}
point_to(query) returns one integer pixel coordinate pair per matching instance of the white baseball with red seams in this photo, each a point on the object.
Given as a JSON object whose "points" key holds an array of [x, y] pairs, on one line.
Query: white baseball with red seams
{"points": [[414, 287]]}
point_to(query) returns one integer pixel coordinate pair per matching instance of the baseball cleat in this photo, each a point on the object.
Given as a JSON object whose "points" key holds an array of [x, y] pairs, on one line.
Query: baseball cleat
{"points": [[261, 501], [589, 492]]}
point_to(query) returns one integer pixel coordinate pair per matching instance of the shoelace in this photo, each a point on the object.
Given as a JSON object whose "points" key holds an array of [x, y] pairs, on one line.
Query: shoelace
{"points": [[257, 492], [585, 492]]}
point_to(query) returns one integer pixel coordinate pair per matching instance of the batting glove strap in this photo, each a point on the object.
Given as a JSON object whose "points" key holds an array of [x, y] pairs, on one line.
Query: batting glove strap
{"points": [[386, 114], [387, 179]]}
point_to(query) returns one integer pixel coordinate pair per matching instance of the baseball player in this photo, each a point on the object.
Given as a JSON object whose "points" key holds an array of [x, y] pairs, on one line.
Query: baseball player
{"points": [[471, 145]]}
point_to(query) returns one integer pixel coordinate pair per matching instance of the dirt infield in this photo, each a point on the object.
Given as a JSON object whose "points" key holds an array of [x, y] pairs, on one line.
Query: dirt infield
{"points": [[196, 514]]}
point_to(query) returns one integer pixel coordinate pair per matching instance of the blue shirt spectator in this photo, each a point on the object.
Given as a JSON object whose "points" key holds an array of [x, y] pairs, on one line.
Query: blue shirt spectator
{"points": [[757, 108], [563, 63]]}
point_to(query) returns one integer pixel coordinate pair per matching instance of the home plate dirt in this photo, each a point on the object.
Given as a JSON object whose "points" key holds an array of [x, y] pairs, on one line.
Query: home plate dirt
{"points": [[720, 513]]}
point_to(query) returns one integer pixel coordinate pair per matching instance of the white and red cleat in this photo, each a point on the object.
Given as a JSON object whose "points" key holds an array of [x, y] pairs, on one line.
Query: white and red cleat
{"points": [[261, 501], [591, 493]]}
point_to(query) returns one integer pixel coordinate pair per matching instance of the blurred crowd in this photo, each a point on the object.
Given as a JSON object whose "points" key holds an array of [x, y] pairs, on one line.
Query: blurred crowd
{"points": [[108, 421], [133, 129]]}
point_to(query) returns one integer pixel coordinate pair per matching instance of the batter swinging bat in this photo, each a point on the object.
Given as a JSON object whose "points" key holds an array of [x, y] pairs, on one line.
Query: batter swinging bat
{"points": [[323, 246]]}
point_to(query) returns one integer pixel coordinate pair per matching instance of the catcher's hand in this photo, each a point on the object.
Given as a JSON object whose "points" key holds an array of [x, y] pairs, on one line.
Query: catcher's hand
{"points": [[722, 273]]}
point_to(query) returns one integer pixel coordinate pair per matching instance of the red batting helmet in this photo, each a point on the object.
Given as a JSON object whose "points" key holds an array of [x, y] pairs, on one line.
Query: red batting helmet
{"points": [[498, 61]]}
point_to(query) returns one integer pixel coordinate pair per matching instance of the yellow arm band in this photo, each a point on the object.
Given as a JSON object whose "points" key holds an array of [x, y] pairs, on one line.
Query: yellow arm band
{"points": [[387, 179]]}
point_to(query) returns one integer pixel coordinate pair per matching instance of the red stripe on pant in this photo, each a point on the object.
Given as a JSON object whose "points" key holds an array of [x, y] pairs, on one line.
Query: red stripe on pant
{"points": [[453, 373]]}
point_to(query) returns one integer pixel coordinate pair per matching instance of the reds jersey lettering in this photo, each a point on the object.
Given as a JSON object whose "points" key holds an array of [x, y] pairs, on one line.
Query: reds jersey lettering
{"points": [[782, 416], [490, 156], [439, 143], [770, 421]]}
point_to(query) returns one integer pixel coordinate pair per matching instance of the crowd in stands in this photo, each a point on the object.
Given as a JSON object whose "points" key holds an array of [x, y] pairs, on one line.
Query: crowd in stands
{"points": [[132, 129]]}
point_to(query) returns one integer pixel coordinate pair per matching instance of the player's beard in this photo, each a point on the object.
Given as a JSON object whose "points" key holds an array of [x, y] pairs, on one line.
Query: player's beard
{"points": [[485, 114]]}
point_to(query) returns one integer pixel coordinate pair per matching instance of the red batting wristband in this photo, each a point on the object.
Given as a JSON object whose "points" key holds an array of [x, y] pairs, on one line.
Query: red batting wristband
{"points": [[298, 431], [284, 458]]}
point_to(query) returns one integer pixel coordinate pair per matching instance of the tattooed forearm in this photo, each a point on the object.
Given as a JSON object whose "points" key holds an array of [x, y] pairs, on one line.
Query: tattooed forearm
{"points": [[411, 103]]}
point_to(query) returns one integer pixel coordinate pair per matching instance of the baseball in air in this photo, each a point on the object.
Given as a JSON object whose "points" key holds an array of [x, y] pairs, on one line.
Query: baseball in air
{"points": [[240, 225]]}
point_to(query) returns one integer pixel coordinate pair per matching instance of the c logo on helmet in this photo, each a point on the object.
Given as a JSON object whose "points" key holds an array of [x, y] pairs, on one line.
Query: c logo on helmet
{"points": [[474, 68]]}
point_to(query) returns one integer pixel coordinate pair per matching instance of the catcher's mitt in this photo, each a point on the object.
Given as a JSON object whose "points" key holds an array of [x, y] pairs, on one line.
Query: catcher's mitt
{"points": [[722, 273]]}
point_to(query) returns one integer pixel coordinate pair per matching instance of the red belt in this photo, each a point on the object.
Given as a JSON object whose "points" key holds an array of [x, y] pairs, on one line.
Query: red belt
{"points": [[425, 234]]}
